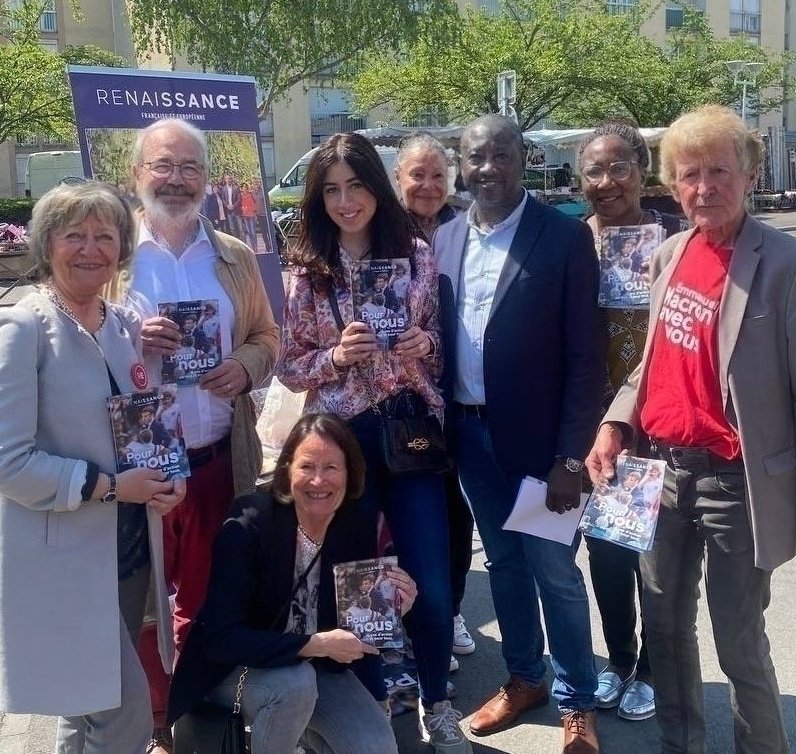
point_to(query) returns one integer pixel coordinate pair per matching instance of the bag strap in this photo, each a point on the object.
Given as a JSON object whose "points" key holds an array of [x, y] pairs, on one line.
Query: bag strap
{"points": [[301, 580], [335, 307]]}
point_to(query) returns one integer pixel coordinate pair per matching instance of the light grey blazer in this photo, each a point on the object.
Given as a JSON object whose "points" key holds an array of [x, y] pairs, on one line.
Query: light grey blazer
{"points": [[757, 362], [59, 608]]}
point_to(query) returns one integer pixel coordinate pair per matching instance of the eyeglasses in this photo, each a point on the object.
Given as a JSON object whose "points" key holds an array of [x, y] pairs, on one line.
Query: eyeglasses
{"points": [[164, 168], [616, 171]]}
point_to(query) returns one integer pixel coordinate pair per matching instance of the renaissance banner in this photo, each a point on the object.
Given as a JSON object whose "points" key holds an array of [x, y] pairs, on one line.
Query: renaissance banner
{"points": [[113, 104]]}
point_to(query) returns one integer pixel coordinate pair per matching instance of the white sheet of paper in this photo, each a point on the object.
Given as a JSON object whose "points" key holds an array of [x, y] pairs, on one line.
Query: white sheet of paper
{"points": [[531, 516]]}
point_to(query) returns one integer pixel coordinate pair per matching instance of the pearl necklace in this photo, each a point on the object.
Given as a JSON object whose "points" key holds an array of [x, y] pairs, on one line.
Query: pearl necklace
{"points": [[306, 536], [56, 298]]}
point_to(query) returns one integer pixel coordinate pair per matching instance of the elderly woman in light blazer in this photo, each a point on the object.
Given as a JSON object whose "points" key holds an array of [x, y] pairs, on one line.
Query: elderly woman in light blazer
{"points": [[76, 561]]}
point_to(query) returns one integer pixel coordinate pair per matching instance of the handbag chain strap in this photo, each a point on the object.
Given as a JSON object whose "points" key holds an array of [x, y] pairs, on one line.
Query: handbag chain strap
{"points": [[239, 692], [301, 579]]}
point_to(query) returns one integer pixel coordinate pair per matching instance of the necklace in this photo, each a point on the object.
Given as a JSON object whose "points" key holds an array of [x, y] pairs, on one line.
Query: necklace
{"points": [[161, 241], [306, 536], [55, 297]]}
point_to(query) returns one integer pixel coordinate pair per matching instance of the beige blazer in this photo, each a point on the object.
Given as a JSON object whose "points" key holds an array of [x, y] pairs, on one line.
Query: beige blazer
{"points": [[757, 362]]}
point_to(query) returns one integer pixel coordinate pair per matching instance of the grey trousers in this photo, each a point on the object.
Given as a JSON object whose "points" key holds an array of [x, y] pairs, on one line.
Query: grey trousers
{"points": [[126, 729], [332, 713], [703, 516]]}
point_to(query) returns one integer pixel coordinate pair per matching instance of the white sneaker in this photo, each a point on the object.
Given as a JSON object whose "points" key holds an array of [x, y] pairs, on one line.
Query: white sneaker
{"points": [[463, 643], [454, 664], [441, 729]]}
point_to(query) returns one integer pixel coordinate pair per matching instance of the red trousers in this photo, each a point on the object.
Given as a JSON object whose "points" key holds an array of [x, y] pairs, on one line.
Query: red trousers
{"points": [[188, 534]]}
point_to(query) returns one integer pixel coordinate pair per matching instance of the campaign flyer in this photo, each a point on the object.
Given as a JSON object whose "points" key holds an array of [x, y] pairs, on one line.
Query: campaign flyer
{"points": [[147, 431], [626, 510], [368, 602], [625, 252], [200, 347], [381, 300]]}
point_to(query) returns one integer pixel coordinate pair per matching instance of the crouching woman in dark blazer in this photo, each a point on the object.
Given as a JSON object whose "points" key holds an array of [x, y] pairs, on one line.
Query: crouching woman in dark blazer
{"points": [[271, 606]]}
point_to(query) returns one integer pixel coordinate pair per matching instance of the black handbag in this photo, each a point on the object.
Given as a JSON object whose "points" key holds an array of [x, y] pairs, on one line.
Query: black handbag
{"points": [[412, 441], [414, 445], [210, 729]]}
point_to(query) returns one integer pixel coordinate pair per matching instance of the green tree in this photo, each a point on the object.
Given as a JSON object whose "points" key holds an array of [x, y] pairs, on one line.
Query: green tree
{"points": [[279, 42], [576, 63], [653, 83], [34, 95]]}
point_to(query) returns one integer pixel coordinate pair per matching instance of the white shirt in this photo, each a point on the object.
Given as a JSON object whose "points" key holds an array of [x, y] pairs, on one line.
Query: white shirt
{"points": [[160, 276], [484, 256]]}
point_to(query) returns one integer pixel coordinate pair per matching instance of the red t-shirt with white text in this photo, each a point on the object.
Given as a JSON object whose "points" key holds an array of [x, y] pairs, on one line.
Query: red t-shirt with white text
{"points": [[682, 403]]}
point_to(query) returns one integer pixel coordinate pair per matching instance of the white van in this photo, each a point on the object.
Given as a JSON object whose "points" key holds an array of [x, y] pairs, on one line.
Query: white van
{"points": [[46, 169], [292, 183]]}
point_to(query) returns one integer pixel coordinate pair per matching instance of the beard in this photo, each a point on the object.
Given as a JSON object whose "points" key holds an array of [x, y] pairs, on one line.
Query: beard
{"points": [[160, 213]]}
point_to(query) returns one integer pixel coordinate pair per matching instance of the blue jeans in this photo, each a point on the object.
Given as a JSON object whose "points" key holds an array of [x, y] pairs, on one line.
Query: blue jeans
{"points": [[331, 712], [703, 517], [518, 561], [415, 507]]}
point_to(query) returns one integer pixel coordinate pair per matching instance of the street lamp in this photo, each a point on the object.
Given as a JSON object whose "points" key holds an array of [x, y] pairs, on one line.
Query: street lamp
{"points": [[507, 93], [744, 72]]}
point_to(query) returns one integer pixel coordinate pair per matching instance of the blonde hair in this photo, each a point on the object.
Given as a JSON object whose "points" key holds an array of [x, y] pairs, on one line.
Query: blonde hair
{"points": [[67, 205], [702, 130]]}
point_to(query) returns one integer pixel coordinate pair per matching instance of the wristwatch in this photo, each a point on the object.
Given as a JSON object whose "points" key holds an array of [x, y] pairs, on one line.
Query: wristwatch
{"points": [[110, 495], [571, 464]]}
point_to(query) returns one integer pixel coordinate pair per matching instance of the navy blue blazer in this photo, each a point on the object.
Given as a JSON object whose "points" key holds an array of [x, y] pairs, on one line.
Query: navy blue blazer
{"points": [[544, 346], [243, 619]]}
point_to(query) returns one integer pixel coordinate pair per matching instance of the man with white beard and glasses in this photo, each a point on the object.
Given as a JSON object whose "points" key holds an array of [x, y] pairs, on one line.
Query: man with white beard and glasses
{"points": [[180, 257]]}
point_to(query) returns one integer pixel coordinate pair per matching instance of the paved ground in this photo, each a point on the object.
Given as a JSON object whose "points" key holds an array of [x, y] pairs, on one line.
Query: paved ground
{"points": [[539, 731]]}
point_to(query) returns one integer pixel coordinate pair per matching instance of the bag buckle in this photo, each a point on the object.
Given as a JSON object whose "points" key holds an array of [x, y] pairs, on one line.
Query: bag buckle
{"points": [[419, 443]]}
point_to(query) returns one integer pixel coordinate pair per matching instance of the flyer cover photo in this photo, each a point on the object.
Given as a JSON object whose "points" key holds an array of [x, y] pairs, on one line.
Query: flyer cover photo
{"points": [[200, 348], [147, 431], [626, 510], [381, 300], [368, 602], [625, 252]]}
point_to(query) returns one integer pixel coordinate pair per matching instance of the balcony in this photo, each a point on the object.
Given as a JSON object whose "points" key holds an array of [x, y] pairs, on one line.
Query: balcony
{"points": [[323, 126]]}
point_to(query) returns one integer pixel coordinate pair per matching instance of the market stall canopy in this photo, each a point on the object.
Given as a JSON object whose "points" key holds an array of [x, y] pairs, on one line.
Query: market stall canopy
{"points": [[566, 138], [391, 136]]}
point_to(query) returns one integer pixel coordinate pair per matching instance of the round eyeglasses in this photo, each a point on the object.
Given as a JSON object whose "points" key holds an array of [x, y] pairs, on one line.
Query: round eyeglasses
{"points": [[616, 171], [164, 168]]}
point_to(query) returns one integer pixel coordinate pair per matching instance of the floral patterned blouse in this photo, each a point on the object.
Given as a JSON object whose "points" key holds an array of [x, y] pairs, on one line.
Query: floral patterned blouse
{"points": [[310, 332]]}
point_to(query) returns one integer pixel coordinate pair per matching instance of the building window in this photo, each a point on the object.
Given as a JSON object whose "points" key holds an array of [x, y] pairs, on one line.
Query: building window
{"points": [[745, 19], [49, 18], [621, 6], [675, 15], [490, 7]]}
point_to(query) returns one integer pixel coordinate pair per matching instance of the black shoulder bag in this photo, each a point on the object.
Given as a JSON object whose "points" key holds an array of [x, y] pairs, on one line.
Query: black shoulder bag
{"points": [[412, 441]]}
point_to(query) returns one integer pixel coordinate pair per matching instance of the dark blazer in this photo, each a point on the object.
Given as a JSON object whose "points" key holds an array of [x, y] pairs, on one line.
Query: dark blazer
{"points": [[544, 346], [251, 581]]}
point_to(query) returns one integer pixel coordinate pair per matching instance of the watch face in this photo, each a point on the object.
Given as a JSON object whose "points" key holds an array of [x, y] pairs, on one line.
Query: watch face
{"points": [[573, 465]]}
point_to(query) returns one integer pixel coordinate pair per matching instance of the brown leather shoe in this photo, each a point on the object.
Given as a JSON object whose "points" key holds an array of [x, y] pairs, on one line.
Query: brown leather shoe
{"points": [[580, 732], [512, 699]]}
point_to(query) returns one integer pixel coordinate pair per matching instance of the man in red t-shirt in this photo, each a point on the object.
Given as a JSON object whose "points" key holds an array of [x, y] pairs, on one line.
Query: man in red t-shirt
{"points": [[713, 397]]}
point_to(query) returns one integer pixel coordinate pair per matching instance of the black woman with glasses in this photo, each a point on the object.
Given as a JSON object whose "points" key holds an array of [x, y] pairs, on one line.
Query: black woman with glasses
{"points": [[612, 162]]}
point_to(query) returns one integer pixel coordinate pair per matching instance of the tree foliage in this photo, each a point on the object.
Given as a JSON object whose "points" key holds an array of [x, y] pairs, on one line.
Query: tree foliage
{"points": [[34, 94], [279, 42], [576, 63]]}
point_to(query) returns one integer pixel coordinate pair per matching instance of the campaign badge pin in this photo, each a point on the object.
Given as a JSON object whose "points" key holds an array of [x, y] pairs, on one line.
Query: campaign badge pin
{"points": [[138, 373]]}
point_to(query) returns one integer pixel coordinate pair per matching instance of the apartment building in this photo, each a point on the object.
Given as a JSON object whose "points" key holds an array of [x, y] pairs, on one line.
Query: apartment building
{"points": [[317, 108], [104, 24]]}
